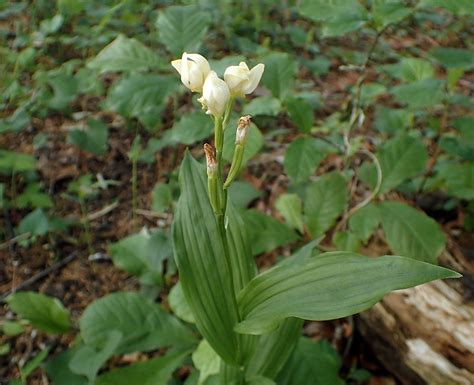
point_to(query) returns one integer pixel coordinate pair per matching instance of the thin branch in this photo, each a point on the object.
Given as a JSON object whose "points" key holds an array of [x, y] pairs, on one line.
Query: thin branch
{"points": [[40, 275]]}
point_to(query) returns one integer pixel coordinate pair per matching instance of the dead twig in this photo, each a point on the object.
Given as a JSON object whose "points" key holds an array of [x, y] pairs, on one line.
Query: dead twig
{"points": [[58, 265]]}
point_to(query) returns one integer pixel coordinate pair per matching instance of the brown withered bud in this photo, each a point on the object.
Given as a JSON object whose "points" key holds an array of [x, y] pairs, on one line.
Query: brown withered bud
{"points": [[242, 129], [210, 159]]}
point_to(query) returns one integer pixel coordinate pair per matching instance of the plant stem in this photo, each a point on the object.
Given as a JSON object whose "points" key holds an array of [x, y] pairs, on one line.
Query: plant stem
{"points": [[86, 225], [134, 192]]}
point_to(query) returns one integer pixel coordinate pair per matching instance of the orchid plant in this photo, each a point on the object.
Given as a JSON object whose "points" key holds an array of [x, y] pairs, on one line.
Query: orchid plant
{"points": [[253, 320]]}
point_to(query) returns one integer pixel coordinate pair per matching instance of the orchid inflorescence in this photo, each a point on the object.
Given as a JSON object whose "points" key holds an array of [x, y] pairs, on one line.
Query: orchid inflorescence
{"points": [[217, 99]]}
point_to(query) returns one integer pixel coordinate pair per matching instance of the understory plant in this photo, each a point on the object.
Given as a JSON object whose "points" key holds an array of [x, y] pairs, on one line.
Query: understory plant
{"points": [[253, 320]]}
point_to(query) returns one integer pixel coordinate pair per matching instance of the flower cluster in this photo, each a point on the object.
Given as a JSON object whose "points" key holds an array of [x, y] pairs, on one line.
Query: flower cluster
{"points": [[196, 75]]}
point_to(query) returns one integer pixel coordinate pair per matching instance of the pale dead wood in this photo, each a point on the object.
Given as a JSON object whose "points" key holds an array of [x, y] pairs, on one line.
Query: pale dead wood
{"points": [[425, 335]]}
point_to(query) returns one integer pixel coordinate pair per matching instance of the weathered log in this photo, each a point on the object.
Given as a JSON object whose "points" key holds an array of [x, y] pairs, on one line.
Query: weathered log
{"points": [[425, 335]]}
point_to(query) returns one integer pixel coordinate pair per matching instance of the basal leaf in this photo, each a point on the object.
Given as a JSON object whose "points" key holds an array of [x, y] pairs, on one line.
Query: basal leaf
{"points": [[331, 285], [200, 257]]}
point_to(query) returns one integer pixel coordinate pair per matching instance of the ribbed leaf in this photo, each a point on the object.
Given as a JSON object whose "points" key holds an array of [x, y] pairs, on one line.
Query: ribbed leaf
{"points": [[274, 349], [204, 273], [329, 286]]}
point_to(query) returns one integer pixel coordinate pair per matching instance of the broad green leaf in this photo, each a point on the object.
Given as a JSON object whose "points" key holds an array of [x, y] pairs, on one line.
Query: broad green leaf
{"points": [[301, 112], [11, 161], [346, 241], [369, 93], [365, 221], [15, 122], [71, 7], [263, 105], [271, 233], [11, 328], [387, 12], [459, 7], [32, 196], [411, 232], [142, 255], [65, 90], [325, 201], [190, 128], [92, 138], [312, 363], [331, 285], [162, 198], [254, 142], [156, 371], [337, 16], [302, 157], [457, 146], [274, 349], [454, 57], [179, 305], [240, 248], [291, 207], [323, 10], [459, 179], [141, 96], [87, 361], [144, 325], [392, 120], [59, 372], [126, 54], [400, 158], [45, 313], [280, 73], [35, 223], [420, 94], [182, 28], [200, 257], [242, 194], [206, 360], [413, 69], [464, 126]]}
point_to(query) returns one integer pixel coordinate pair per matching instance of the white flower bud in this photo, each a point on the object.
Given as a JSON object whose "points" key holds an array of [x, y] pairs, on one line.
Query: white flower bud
{"points": [[215, 95], [241, 80], [193, 69]]}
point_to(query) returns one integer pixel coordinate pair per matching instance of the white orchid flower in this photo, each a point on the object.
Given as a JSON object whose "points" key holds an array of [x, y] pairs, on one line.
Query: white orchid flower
{"points": [[242, 80], [193, 69], [215, 95]]}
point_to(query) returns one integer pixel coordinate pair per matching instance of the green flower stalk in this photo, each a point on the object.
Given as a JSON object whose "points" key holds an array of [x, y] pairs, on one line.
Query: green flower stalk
{"points": [[240, 140]]}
